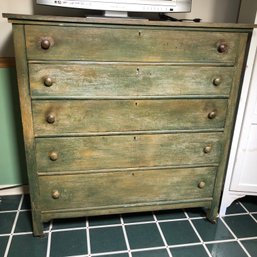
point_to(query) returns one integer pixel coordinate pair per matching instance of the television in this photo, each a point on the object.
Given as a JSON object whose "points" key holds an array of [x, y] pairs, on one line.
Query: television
{"points": [[122, 7]]}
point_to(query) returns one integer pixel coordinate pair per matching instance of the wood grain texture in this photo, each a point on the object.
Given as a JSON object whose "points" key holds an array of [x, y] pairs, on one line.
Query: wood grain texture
{"points": [[48, 215], [131, 80], [129, 106], [145, 45], [125, 188], [230, 122], [103, 152], [80, 116], [6, 62], [83, 21], [27, 125]]}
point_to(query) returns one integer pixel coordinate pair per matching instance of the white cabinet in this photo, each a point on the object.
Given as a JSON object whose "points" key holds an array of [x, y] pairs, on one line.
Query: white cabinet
{"points": [[241, 176]]}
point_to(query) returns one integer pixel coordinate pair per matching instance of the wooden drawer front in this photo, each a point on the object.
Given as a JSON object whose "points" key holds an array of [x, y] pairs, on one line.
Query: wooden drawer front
{"points": [[129, 44], [104, 152], [99, 190], [92, 116], [108, 80]]}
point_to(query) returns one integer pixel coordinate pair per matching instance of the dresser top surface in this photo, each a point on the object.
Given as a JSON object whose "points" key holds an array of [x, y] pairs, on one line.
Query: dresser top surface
{"points": [[33, 19]]}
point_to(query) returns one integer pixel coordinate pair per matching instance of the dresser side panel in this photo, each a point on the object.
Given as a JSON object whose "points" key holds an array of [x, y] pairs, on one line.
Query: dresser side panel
{"points": [[27, 123]]}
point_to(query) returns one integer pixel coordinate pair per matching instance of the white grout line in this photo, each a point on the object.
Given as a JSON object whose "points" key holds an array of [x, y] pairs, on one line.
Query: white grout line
{"points": [[233, 234], [185, 245], [125, 236], [253, 217], [236, 214], [68, 229], [248, 238], [49, 239], [13, 227], [248, 212], [198, 235], [9, 211], [155, 248], [143, 222], [88, 239], [129, 251], [109, 253], [162, 236]]}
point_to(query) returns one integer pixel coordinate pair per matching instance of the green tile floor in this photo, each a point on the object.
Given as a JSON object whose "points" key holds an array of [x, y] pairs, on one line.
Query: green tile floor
{"points": [[175, 233]]}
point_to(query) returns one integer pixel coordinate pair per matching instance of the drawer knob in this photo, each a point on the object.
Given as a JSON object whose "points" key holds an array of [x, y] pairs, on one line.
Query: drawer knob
{"points": [[207, 149], [212, 115], [45, 44], [48, 82], [201, 184], [56, 194], [216, 81], [50, 118], [222, 48], [53, 156]]}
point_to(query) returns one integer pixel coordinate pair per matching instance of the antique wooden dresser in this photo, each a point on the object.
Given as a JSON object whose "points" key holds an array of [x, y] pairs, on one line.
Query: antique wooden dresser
{"points": [[126, 115]]}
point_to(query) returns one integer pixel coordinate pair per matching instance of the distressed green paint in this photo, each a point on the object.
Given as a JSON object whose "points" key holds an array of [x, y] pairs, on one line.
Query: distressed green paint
{"points": [[91, 116], [123, 80], [103, 152], [112, 44], [126, 188], [12, 157], [133, 129]]}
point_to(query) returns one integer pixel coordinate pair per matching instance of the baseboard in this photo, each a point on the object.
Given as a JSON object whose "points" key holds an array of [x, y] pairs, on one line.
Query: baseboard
{"points": [[13, 190], [6, 62]]}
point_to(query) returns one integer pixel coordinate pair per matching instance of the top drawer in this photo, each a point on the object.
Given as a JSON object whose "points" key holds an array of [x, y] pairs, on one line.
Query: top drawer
{"points": [[130, 44]]}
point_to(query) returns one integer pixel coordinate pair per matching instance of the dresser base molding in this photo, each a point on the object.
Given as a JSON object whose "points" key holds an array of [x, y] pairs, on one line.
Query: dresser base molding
{"points": [[153, 206], [46, 216], [125, 116]]}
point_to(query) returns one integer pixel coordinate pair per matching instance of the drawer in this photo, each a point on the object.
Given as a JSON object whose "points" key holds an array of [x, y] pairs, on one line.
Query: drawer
{"points": [[113, 80], [98, 116], [127, 151], [130, 44], [116, 189]]}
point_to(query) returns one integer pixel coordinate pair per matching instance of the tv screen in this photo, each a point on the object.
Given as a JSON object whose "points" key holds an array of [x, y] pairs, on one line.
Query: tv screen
{"points": [[150, 6]]}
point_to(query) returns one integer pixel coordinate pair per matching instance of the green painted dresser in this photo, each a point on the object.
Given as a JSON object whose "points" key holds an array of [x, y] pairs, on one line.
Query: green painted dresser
{"points": [[126, 115]]}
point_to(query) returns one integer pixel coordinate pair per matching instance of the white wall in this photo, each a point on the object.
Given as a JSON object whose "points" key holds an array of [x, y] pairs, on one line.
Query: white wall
{"points": [[213, 10], [11, 6], [207, 10]]}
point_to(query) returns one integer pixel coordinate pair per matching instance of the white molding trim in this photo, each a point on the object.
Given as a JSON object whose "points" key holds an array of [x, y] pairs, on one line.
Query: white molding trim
{"points": [[13, 190], [235, 158]]}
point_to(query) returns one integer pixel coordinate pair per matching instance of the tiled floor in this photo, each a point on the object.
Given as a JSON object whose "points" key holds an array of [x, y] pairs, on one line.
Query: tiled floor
{"points": [[181, 233]]}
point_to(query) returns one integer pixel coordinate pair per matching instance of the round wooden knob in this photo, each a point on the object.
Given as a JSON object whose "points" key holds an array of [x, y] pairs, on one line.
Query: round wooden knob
{"points": [[212, 115], [53, 156], [222, 48], [216, 81], [201, 184], [48, 82], [207, 149], [50, 118], [56, 194], [45, 44]]}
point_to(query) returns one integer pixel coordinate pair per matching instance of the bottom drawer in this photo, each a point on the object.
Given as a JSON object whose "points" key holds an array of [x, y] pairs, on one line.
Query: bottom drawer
{"points": [[125, 188]]}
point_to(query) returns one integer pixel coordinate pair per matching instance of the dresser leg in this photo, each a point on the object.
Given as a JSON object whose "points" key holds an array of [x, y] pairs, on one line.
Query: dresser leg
{"points": [[38, 229], [212, 215]]}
